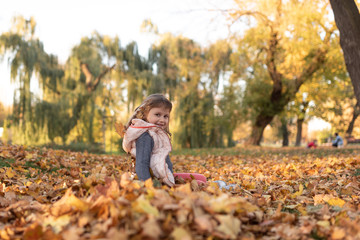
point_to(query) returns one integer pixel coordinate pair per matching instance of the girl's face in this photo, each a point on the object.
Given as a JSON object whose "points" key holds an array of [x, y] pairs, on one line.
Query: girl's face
{"points": [[159, 116]]}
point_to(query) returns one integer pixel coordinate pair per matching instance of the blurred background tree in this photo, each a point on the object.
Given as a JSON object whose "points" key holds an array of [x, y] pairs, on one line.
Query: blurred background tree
{"points": [[286, 43], [284, 69]]}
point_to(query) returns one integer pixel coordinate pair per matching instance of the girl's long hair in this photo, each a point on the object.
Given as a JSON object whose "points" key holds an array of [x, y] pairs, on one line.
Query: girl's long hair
{"points": [[152, 101]]}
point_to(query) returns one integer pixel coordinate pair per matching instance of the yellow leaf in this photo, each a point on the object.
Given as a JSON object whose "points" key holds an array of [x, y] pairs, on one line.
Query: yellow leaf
{"points": [[149, 183], [336, 202], [225, 203], [302, 210], [229, 225], [185, 188], [180, 233], [143, 205], [10, 173], [5, 235], [77, 203], [325, 224], [57, 223], [298, 193]]}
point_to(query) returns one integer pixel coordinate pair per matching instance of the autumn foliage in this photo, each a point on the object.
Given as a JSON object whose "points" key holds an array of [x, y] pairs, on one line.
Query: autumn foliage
{"points": [[282, 194]]}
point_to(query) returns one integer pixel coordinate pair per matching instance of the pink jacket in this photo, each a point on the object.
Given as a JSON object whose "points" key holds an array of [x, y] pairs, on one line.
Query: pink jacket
{"points": [[162, 147]]}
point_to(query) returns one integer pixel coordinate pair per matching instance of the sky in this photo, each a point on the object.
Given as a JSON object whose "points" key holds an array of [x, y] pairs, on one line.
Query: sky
{"points": [[62, 24]]}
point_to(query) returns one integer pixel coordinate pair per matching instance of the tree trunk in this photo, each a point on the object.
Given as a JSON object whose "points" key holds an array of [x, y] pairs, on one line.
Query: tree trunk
{"points": [[258, 129], [285, 132], [91, 121], [230, 142], [356, 113], [299, 124], [82, 99], [347, 19], [103, 128]]}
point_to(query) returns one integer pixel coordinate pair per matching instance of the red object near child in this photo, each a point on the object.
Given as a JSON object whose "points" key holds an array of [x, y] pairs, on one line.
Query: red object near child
{"points": [[312, 144]]}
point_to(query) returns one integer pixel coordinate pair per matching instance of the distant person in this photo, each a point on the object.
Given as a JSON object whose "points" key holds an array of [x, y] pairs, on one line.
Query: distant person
{"points": [[312, 144], [338, 141]]}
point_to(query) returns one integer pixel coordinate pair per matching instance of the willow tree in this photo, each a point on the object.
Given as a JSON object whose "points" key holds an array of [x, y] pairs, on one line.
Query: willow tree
{"points": [[185, 57], [26, 58], [137, 74], [223, 114], [85, 70], [167, 73], [285, 44], [24, 51], [3, 114], [71, 101]]}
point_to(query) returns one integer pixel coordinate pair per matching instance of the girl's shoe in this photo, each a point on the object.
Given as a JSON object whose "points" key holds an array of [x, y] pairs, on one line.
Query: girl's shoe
{"points": [[222, 185]]}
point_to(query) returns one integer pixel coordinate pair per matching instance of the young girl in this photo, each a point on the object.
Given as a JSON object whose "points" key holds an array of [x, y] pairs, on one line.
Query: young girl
{"points": [[147, 138]]}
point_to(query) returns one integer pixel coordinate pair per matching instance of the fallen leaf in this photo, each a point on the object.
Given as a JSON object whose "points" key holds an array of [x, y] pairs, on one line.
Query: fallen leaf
{"points": [[229, 225], [143, 205], [10, 173], [338, 233], [180, 233], [151, 228], [33, 232], [336, 202]]}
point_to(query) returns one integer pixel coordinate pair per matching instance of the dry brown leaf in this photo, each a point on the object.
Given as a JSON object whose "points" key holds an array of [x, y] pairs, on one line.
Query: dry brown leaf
{"points": [[180, 233], [33, 232], [229, 226], [119, 128], [204, 223], [151, 229]]}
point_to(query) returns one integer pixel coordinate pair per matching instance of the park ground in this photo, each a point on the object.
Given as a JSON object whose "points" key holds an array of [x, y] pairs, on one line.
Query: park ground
{"points": [[282, 193]]}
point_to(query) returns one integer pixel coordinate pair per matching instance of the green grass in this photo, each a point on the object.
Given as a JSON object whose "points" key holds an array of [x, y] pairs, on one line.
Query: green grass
{"points": [[357, 172], [6, 162], [266, 151], [314, 235], [29, 164]]}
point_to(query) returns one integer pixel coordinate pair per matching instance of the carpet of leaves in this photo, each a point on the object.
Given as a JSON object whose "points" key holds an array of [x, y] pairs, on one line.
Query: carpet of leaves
{"points": [[282, 194]]}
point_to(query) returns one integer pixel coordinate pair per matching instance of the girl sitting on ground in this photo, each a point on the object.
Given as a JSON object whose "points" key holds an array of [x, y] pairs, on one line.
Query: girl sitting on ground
{"points": [[147, 139]]}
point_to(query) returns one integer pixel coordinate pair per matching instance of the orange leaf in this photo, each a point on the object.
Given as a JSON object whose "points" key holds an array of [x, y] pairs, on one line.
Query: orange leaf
{"points": [[338, 233], [119, 128], [33, 232], [10, 173]]}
